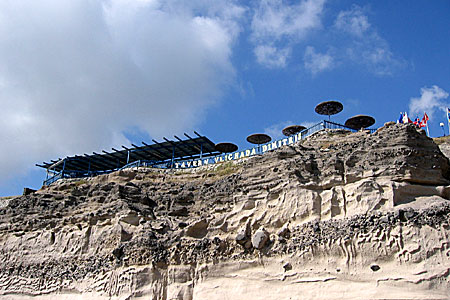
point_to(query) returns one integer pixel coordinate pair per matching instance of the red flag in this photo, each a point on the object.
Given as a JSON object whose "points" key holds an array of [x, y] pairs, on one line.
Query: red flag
{"points": [[424, 121]]}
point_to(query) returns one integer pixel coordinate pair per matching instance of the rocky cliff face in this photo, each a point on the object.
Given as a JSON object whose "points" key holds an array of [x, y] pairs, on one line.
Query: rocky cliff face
{"points": [[337, 216]]}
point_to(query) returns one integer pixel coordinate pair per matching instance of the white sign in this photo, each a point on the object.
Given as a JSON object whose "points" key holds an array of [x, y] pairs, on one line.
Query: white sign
{"points": [[239, 154]]}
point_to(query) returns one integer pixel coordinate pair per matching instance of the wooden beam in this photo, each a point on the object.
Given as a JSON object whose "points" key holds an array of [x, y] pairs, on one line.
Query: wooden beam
{"points": [[181, 149], [156, 150], [147, 152], [131, 152]]}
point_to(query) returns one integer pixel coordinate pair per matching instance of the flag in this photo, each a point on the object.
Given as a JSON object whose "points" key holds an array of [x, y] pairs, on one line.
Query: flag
{"points": [[417, 121], [400, 119], [406, 119], [425, 119]]}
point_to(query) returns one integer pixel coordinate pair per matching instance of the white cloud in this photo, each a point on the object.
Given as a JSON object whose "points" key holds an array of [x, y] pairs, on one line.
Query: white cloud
{"points": [[317, 62], [271, 57], [75, 74], [353, 21], [274, 19], [275, 130], [308, 124], [366, 46], [431, 98], [379, 59], [276, 26]]}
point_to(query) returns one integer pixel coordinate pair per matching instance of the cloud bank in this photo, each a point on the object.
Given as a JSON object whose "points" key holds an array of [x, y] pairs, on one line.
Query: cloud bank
{"points": [[431, 99], [317, 62], [353, 21], [275, 130], [365, 46], [75, 74], [277, 26]]}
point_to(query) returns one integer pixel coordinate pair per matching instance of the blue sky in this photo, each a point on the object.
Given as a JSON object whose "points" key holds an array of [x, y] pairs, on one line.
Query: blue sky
{"points": [[81, 76]]}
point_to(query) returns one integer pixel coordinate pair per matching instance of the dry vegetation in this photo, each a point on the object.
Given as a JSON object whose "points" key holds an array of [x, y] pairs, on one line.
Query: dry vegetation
{"points": [[442, 140]]}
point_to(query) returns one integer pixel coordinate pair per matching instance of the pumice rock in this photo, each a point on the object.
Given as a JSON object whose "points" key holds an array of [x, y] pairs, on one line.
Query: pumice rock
{"points": [[197, 229], [336, 216], [260, 238]]}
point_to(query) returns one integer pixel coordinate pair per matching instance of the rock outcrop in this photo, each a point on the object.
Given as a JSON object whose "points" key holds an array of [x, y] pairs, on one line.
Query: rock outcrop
{"points": [[337, 216]]}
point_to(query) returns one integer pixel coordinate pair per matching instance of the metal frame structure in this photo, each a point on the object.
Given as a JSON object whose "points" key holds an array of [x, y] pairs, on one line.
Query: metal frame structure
{"points": [[259, 149], [160, 154], [327, 125]]}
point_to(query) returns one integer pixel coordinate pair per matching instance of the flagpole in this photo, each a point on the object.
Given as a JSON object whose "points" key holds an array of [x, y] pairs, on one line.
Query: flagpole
{"points": [[448, 123], [448, 120], [425, 117]]}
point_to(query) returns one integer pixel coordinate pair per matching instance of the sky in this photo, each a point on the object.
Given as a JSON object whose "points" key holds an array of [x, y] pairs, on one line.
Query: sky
{"points": [[80, 76]]}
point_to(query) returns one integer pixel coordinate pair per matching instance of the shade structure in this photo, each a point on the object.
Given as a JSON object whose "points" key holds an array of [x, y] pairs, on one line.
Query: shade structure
{"points": [[360, 121], [259, 138], [329, 108], [157, 153], [226, 147], [293, 129]]}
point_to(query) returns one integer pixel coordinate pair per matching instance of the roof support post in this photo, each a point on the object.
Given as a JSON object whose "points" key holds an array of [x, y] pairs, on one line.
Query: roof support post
{"points": [[64, 166], [128, 156], [173, 157], [89, 168], [201, 151]]}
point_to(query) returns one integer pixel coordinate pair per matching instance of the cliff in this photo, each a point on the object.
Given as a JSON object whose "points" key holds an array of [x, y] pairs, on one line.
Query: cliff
{"points": [[336, 216]]}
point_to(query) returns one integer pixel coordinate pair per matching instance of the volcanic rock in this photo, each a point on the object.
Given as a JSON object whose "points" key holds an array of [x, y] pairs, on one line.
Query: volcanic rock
{"points": [[355, 215], [260, 238]]}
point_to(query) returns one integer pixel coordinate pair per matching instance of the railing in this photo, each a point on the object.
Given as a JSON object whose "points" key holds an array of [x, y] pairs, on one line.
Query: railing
{"points": [[260, 149], [53, 178], [132, 165], [332, 125], [71, 174], [313, 129], [140, 163]]}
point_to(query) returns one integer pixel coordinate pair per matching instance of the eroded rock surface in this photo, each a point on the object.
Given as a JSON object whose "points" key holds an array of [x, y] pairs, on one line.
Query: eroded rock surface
{"points": [[337, 216]]}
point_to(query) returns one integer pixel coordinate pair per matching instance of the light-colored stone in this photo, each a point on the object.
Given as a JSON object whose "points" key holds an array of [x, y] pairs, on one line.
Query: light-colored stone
{"points": [[198, 229], [260, 238], [339, 204]]}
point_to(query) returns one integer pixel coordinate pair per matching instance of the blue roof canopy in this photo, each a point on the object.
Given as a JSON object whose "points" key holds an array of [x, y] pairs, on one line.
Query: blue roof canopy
{"points": [[157, 153]]}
